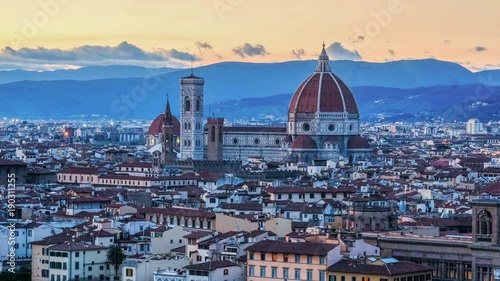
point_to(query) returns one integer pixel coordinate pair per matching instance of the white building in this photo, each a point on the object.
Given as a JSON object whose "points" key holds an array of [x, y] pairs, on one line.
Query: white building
{"points": [[216, 270], [474, 126], [148, 268], [78, 261], [24, 234]]}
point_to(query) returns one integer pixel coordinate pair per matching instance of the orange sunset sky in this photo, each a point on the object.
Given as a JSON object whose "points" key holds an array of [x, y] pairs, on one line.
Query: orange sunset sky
{"points": [[51, 34]]}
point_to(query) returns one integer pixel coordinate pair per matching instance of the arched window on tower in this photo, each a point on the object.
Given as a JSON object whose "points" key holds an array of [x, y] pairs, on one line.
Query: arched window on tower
{"points": [[187, 104], [198, 104], [220, 134], [212, 134], [484, 226]]}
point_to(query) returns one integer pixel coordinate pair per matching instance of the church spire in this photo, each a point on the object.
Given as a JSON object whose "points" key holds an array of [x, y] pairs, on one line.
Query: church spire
{"points": [[323, 60], [167, 117]]}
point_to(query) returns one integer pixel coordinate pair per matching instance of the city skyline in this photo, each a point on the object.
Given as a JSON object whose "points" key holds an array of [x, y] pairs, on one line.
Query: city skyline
{"points": [[55, 34]]}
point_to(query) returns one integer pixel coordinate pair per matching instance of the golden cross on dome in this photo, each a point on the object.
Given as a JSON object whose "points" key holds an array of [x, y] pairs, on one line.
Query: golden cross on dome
{"points": [[323, 44]]}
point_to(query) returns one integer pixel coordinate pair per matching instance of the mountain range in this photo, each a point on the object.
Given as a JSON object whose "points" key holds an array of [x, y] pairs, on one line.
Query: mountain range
{"points": [[398, 89]]}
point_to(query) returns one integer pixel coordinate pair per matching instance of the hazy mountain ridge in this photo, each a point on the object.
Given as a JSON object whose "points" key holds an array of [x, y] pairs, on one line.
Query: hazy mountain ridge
{"points": [[84, 73], [378, 88]]}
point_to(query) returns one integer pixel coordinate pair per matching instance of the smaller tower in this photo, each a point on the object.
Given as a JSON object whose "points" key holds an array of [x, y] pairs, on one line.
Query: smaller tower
{"points": [[215, 138], [485, 221], [167, 153]]}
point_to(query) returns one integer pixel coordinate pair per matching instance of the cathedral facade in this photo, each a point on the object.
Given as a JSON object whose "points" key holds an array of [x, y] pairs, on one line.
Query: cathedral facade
{"points": [[323, 124]]}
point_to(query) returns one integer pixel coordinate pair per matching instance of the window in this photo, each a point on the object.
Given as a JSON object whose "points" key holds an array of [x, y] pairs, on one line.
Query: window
{"points": [[90, 268], [285, 257], [451, 270], [331, 127], [353, 278], [321, 276], [256, 141], [467, 272], [332, 278], [274, 272], [321, 260], [45, 273], [309, 259], [309, 275], [198, 104], [306, 127], [226, 272], [250, 256], [297, 259], [368, 279], [285, 272], [297, 273], [262, 256], [77, 277], [129, 272], [251, 270], [212, 134], [262, 271], [77, 254], [187, 104], [235, 141], [77, 265], [275, 257]]}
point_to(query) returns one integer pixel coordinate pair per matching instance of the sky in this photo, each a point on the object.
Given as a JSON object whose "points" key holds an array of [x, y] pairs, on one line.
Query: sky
{"points": [[54, 34]]}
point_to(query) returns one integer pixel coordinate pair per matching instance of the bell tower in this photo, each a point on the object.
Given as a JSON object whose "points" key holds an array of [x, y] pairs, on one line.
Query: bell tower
{"points": [[192, 117]]}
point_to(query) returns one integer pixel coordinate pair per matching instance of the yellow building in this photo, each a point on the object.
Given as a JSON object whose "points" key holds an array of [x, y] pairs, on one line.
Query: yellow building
{"points": [[268, 260], [378, 269]]}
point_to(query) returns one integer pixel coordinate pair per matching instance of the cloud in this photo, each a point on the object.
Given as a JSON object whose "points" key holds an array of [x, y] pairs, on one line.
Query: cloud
{"points": [[203, 46], [478, 49], [359, 39], [391, 52], [299, 53], [247, 50], [123, 53], [182, 56], [337, 52]]}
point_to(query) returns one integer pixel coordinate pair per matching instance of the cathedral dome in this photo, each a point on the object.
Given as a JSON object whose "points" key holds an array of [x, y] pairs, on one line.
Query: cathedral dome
{"points": [[357, 142], [156, 127], [303, 142], [323, 91]]}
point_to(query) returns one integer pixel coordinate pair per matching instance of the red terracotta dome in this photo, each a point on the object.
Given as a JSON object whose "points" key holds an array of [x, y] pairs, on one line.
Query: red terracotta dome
{"points": [[357, 142], [303, 142], [323, 91], [157, 125]]}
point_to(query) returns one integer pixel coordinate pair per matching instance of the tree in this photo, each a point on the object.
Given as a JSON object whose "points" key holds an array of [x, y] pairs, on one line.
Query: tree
{"points": [[115, 256]]}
